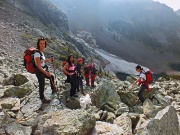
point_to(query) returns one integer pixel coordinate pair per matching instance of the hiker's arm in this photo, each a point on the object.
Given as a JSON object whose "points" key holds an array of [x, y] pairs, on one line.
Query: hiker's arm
{"points": [[38, 65], [64, 69], [131, 87], [49, 60]]}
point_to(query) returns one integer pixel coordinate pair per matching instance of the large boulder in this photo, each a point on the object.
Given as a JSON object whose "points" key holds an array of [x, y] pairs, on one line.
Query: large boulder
{"points": [[164, 123], [106, 92], [66, 122], [149, 109], [128, 97], [125, 123]]}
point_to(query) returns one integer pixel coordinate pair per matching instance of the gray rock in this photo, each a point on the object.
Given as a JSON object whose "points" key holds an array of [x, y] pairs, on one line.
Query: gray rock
{"points": [[66, 122], [110, 117], [149, 109], [104, 115], [17, 129], [121, 109], [106, 92], [125, 123], [104, 128], [128, 97], [10, 104], [164, 123]]}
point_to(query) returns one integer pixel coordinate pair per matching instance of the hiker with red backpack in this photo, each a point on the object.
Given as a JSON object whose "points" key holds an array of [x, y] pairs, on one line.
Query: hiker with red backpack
{"points": [[86, 73], [41, 69], [70, 70], [93, 71], [79, 82], [145, 78]]}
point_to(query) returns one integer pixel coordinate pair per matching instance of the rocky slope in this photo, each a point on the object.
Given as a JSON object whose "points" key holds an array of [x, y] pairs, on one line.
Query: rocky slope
{"points": [[114, 109]]}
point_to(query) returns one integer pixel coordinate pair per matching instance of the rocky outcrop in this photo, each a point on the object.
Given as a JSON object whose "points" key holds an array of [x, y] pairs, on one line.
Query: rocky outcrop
{"points": [[46, 13], [165, 123]]}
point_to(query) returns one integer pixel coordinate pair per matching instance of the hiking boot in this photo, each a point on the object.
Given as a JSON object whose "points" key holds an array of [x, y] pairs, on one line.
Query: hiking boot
{"points": [[84, 93], [45, 101]]}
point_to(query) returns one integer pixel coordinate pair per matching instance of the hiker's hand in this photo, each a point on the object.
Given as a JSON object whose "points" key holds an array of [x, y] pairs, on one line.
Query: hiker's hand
{"points": [[48, 74], [52, 58], [130, 88]]}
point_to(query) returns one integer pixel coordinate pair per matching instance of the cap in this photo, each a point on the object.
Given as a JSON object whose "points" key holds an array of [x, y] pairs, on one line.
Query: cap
{"points": [[79, 60]]}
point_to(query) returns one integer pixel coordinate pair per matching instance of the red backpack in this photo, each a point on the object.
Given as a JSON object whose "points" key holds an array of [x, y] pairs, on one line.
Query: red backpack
{"points": [[29, 59], [149, 76]]}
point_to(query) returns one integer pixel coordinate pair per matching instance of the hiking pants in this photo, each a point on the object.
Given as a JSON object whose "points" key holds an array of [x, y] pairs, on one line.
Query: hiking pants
{"points": [[41, 80], [92, 80], [141, 92], [87, 78], [72, 80], [79, 84]]}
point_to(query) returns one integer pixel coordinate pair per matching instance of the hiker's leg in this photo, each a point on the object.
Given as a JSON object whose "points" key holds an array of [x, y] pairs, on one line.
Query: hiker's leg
{"points": [[87, 79], [73, 86], [81, 84], [92, 80], [41, 80], [140, 93], [51, 79], [77, 84]]}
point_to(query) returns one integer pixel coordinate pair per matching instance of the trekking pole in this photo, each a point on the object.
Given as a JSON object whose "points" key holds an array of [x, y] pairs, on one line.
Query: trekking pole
{"points": [[57, 92]]}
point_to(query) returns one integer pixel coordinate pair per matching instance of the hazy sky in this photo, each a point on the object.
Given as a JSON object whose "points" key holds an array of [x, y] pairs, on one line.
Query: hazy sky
{"points": [[175, 4]]}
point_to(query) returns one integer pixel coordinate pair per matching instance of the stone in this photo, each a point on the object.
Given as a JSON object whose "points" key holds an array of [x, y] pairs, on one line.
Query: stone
{"points": [[121, 109], [106, 92], [73, 104], [110, 117], [12, 104], [128, 97], [149, 109], [164, 123], [104, 128], [66, 122], [125, 123], [17, 129]]}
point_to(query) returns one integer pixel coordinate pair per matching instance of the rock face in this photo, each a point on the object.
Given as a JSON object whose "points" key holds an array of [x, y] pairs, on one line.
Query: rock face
{"points": [[66, 122], [164, 123], [49, 14]]}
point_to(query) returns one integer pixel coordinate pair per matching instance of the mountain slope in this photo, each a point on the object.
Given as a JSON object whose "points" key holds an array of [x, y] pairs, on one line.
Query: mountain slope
{"points": [[144, 32], [178, 12]]}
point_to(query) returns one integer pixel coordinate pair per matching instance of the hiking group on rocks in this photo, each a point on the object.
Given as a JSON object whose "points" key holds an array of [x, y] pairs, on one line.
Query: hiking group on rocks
{"points": [[74, 73]]}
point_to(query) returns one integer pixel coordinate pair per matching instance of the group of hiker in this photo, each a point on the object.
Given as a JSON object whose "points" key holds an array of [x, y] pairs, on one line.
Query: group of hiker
{"points": [[74, 73]]}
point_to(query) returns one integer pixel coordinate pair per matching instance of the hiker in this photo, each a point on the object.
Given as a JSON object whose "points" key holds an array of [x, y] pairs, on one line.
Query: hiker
{"points": [[41, 70], [86, 73], [93, 71], [69, 69], [141, 82], [79, 82]]}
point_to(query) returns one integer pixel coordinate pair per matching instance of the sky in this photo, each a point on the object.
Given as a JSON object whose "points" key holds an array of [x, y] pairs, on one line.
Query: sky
{"points": [[175, 4]]}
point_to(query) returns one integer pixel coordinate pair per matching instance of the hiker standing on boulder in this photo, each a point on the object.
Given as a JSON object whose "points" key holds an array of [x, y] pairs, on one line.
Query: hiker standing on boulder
{"points": [[79, 82], [143, 81], [42, 69], [93, 71], [86, 73], [69, 69]]}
